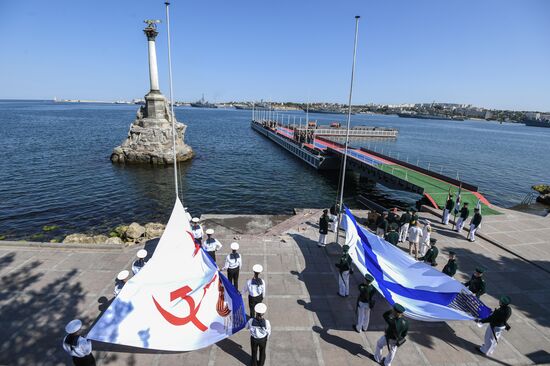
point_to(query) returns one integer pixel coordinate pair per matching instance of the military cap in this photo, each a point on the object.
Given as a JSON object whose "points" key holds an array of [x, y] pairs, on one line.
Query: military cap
{"points": [[433, 240], [393, 226], [480, 270], [466, 203], [505, 300], [452, 252], [476, 209], [369, 278], [195, 220], [399, 308], [209, 231], [345, 248], [414, 210], [260, 308]]}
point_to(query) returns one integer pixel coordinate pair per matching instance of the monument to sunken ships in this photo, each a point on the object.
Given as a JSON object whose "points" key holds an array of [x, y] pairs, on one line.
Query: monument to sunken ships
{"points": [[149, 140]]}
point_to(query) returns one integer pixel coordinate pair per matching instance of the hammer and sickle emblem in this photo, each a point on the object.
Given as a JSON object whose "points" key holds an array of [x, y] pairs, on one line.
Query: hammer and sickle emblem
{"points": [[183, 293]]}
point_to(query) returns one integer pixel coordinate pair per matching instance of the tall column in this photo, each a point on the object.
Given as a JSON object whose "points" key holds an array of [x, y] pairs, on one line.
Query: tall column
{"points": [[151, 33]]}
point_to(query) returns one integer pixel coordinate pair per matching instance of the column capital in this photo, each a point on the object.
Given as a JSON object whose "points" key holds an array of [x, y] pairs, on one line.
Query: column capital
{"points": [[151, 33]]}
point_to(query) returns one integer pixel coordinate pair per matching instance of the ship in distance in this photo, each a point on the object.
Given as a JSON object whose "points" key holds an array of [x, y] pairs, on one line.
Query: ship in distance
{"points": [[248, 106], [202, 103]]}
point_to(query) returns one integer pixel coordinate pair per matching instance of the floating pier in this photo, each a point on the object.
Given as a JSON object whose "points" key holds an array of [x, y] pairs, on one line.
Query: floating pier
{"points": [[316, 147]]}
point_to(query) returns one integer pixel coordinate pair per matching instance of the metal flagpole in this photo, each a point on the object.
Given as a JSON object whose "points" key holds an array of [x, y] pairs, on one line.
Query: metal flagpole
{"points": [[343, 178], [167, 3]]}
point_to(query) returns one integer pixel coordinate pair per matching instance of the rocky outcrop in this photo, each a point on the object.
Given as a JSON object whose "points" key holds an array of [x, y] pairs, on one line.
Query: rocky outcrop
{"points": [[149, 140], [78, 239], [135, 231], [544, 193], [114, 240], [123, 234], [154, 230]]}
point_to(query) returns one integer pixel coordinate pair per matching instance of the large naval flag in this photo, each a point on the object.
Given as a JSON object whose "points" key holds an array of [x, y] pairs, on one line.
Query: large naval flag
{"points": [[426, 293], [179, 301]]}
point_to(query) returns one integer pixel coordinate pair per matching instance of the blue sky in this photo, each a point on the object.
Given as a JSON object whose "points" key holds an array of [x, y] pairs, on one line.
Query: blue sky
{"points": [[484, 52]]}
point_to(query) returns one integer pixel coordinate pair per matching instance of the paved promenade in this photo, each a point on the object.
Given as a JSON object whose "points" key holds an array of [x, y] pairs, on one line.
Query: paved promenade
{"points": [[44, 287]]}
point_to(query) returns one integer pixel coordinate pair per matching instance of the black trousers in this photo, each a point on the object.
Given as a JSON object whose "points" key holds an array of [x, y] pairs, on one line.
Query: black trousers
{"points": [[233, 276], [255, 344], [252, 301], [87, 360], [213, 255]]}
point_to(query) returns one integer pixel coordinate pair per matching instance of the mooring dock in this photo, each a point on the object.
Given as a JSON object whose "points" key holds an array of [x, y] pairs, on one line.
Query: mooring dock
{"points": [[322, 153]]}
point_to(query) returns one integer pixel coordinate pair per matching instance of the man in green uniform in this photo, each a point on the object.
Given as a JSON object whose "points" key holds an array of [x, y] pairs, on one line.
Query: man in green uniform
{"points": [[394, 336], [449, 205], [323, 229], [498, 322], [365, 302], [451, 266], [431, 254], [344, 269], [476, 284], [392, 236], [404, 222], [464, 213], [475, 223]]}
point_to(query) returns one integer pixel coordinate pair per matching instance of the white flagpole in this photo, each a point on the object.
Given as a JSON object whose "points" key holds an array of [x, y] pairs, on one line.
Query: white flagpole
{"points": [[343, 178], [167, 3]]}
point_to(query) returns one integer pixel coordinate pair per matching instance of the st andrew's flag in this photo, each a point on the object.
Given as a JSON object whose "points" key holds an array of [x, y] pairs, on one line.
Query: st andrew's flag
{"points": [[426, 293]]}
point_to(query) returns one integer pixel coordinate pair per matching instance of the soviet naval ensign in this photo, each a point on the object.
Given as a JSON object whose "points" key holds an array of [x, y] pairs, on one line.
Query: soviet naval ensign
{"points": [[179, 301]]}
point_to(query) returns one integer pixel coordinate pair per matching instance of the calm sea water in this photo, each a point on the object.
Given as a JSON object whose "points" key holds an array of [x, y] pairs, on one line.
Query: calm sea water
{"points": [[55, 167]]}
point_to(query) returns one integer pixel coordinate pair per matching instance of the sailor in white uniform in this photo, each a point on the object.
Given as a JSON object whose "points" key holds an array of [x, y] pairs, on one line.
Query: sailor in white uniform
{"points": [[211, 245], [260, 330], [255, 287], [121, 279], [140, 262], [78, 347], [196, 229], [425, 240], [233, 263]]}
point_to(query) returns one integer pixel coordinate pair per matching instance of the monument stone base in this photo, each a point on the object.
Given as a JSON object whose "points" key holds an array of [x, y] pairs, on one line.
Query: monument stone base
{"points": [[149, 140]]}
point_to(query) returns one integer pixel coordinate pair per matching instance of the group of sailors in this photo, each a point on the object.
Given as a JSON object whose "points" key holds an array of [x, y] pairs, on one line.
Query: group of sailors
{"points": [[396, 325]]}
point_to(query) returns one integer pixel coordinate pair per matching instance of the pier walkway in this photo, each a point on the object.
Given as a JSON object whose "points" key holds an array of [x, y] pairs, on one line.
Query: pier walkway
{"points": [[45, 286], [401, 175]]}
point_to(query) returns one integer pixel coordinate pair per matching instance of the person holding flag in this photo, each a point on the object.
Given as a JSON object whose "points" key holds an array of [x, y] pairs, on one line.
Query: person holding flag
{"points": [[344, 270], [255, 287], [464, 213], [457, 205], [498, 321], [233, 264], [77, 346], [365, 302], [475, 223], [394, 335], [448, 208]]}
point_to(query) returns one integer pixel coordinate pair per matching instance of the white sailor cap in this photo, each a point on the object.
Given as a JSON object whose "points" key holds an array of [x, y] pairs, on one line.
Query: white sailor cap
{"points": [[209, 231], [260, 308], [257, 268], [122, 275], [235, 246], [142, 253], [73, 326], [195, 219]]}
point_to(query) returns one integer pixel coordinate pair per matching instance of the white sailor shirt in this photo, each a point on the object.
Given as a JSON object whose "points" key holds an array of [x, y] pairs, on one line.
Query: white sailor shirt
{"points": [[197, 231], [211, 245], [257, 330], [137, 265], [254, 289], [231, 262], [83, 347]]}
